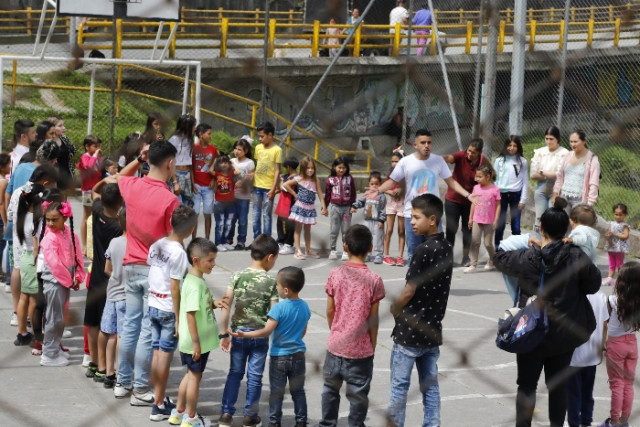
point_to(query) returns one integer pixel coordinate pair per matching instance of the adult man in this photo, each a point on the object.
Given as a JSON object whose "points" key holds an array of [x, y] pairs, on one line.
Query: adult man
{"points": [[24, 133], [268, 157], [420, 172], [150, 205], [422, 17], [398, 14]]}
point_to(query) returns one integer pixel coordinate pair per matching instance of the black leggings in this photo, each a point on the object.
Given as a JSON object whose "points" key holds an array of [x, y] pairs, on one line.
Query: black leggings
{"points": [[454, 213], [38, 314]]}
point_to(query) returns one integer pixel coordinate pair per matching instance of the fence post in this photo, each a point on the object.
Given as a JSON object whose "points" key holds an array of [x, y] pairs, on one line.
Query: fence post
{"points": [[433, 43], [29, 21], [316, 150], [610, 12], [395, 50], [254, 115], [461, 16], [551, 14], [616, 37], [592, 12], [590, 33], [118, 54], [290, 20], [257, 18], [502, 28], [467, 44], [272, 37], [532, 35], [356, 42], [573, 13], [561, 36], [508, 14], [224, 34], [14, 81], [220, 14], [530, 14], [172, 42], [316, 39]]}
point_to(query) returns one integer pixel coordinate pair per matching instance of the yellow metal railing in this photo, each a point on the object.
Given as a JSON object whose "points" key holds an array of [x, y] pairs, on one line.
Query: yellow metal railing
{"points": [[25, 22]]}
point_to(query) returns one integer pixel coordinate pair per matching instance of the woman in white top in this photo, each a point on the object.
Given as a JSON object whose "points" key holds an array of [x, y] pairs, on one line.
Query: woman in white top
{"points": [[183, 140], [545, 165], [513, 181]]}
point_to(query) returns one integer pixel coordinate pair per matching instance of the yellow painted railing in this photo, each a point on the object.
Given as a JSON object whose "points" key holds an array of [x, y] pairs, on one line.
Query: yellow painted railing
{"points": [[25, 22]]}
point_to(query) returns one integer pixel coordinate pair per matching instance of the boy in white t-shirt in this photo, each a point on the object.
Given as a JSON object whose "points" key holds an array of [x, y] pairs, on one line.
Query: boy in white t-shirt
{"points": [[168, 265]]}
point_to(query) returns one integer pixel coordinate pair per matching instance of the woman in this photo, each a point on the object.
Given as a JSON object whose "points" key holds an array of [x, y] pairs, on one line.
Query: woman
{"points": [[569, 277], [579, 176], [545, 165], [183, 140], [457, 207], [65, 155]]}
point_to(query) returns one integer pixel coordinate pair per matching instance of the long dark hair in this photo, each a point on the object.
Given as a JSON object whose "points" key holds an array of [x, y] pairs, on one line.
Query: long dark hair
{"points": [[246, 146], [150, 134], [185, 128], [339, 161], [32, 199], [57, 206], [51, 195], [519, 154], [628, 291]]}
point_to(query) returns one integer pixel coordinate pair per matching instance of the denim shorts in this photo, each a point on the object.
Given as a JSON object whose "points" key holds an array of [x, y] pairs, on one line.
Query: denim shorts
{"points": [[194, 366], [113, 317], [205, 197], [163, 329]]}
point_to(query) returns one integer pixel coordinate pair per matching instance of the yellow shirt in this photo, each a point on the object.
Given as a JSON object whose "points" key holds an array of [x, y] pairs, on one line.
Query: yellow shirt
{"points": [[267, 159]]}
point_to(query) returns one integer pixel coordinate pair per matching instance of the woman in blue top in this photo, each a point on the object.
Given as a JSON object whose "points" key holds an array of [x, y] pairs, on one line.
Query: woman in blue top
{"points": [[513, 181]]}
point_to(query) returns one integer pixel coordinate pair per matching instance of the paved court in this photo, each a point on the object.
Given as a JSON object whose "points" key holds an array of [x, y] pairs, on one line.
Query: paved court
{"points": [[477, 380]]}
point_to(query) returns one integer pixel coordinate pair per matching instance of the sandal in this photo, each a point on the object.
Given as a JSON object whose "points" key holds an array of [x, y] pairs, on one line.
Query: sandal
{"points": [[313, 254], [299, 255]]}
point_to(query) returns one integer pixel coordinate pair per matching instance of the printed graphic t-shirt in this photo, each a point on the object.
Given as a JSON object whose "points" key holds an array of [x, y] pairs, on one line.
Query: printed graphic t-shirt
{"points": [[202, 158]]}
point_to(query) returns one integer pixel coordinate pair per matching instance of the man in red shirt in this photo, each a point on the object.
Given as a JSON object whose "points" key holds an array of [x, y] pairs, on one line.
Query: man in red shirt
{"points": [[204, 153]]}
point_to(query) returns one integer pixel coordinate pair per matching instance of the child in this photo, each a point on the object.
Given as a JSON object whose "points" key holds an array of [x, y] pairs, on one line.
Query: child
{"points": [[622, 347], [27, 216], [154, 129], [109, 168], [243, 166], [182, 140], [198, 331], [395, 207], [303, 211], [89, 167], [617, 243], [340, 194], [513, 181], [63, 268], [583, 362], [5, 169], [105, 227], [284, 225], [287, 320], [204, 154], [374, 215], [483, 218], [582, 219], [115, 307], [353, 295], [224, 209], [268, 157], [168, 265], [255, 292], [418, 314]]}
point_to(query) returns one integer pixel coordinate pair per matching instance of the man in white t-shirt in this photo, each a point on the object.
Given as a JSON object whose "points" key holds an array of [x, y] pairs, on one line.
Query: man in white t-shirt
{"points": [[398, 14], [24, 133], [420, 172]]}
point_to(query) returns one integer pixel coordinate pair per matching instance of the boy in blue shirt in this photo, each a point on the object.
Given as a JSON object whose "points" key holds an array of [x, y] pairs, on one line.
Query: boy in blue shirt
{"points": [[287, 320]]}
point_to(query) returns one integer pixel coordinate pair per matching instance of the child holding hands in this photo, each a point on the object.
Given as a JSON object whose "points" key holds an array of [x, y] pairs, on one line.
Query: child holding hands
{"points": [[375, 215]]}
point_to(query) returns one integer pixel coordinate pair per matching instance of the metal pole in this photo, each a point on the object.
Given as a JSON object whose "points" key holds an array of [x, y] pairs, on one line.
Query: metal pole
{"points": [[185, 94], [166, 46], [40, 26], [475, 131], [49, 34], [517, 67], [403, 139], [92, 91], [567, 8], [443, 66], [198, 91], [265, 54], [157, 41], [112, 123], [489, 98], [346, 41]]}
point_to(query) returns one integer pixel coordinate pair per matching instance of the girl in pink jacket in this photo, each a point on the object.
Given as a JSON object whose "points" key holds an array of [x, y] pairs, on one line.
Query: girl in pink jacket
{"points": [[62, 269]]}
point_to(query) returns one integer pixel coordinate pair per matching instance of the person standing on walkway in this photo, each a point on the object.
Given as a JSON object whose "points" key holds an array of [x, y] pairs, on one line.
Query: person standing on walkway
{"points": [[266, 182], [422, 18]]}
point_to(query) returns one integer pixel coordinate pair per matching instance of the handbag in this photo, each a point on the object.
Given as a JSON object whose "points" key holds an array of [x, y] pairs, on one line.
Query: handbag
{"points": [[283, 208], [522, 330]]}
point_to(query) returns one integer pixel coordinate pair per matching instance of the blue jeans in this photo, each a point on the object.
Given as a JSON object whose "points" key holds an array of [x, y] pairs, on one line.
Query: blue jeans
{"points": [[580, 393], [203, 197], [413, 240], [135, 352], [542, 198], [511, 282], [223, 214], [163, 328], [357, 374], [262, 208], [509, 200], [252, 354], [242, 218], [281, 368], [402, 360]]}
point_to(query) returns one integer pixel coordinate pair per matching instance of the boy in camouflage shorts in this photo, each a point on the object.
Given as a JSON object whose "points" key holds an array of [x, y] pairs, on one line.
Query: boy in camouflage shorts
{"points": [[255, 292]]}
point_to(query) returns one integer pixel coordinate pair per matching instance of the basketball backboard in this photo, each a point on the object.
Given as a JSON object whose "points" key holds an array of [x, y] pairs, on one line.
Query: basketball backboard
{"points": [[160, 10]]}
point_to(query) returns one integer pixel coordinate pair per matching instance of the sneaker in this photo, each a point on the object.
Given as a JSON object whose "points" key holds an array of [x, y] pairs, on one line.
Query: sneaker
{"points": [[387, 260], [275, 425], [23, 339], [239, 247], [608, 281], [222, 248], [489, 266], [14, 320], [158, 414], [287, 250], [28, 322], [470, 269], [37, 348], [377, 259], [109, 381], [91, 370], [225, 420], [607, 423], [86, 360], [121, 391], [368, 258], [198, 420], [229, 246], [67, 334], [66, 354], [142, 399], [399, 262], [7, 288], [175, 419], [58, 361], [98, 377], [333, 255], [345, 257], [251, 421], [466, 261]]}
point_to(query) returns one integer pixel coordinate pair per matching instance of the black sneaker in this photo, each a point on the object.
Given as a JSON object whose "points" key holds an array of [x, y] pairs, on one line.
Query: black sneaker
{"points": [[466, 261], [248, 421], [109, 381], [239, 247], [225, 420], [91, 370], [99, 376], [23, 339]]}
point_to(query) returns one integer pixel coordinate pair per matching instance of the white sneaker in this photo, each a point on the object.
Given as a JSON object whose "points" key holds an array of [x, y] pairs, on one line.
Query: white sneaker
{"points": [[198, 421], [7, 288], [86, 360], [333, 255], [345, 256], [120, 391], [489, 266], [287, 250], [229, 246], [470, 269], [14, 320], [67, 334], [58, 361], [142, 399], [222, 248]]}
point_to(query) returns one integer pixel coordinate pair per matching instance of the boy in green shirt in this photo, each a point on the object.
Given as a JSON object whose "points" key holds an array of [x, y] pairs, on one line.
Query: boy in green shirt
{"points": [[197, 330]]}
